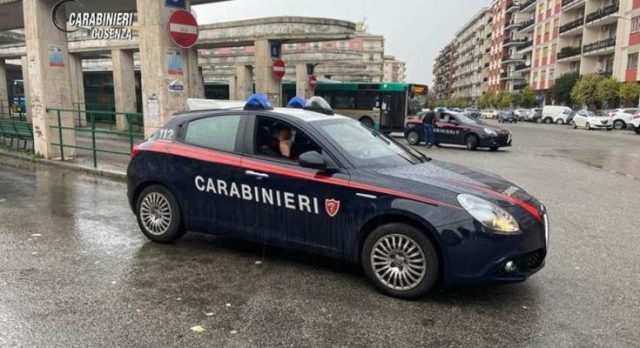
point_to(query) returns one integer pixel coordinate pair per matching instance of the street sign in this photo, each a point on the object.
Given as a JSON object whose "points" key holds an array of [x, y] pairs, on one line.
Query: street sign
{"points": [[276, 50], [279, 69], [183, 28]]}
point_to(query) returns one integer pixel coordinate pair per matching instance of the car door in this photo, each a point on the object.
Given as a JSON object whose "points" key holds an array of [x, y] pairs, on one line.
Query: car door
{"points": [[210, 172], [580, 119], [448, 130], [290, 204]]}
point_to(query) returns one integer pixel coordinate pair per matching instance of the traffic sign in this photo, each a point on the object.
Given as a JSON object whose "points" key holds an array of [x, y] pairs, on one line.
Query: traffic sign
{"points": [[279, 68], [183, 28]]}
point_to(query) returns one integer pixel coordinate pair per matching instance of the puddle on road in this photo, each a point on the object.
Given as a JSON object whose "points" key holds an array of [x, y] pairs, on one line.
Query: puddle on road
{"points": [[619, 161]]}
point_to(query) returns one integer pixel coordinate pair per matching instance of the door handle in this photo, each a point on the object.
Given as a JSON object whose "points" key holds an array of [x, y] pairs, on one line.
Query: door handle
{"points": [[256, 174]]}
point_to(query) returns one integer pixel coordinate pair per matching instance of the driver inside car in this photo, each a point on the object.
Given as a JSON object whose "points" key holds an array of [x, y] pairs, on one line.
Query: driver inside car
{"points": [[283, 137]]}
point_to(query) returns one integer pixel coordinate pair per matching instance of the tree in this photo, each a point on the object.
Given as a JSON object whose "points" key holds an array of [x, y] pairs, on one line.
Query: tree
{"points": [[585, 90], [504, 99], [486, 100], [527, 97], [608, 91], [561, 92], [630, 93]]}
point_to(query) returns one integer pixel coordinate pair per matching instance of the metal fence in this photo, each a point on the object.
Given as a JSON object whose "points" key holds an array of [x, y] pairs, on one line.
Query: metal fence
{"points": [[10, 110], [93, 128]]}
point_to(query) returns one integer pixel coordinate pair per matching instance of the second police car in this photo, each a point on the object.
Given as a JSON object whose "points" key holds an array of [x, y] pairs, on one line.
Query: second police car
{"points": [[319, 182], [459, 129]]}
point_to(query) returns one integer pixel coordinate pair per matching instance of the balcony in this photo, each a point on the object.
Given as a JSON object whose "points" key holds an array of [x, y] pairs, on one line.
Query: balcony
{"points": [[568, 5], [527, 25], [525, 45], [509, 41], [601, 47], [513, 7], [511, 75], [603, 15], [522, 67], [512, 58], [572, 25], [606, 74], [512, 25], [527, 6], [569, 52]]}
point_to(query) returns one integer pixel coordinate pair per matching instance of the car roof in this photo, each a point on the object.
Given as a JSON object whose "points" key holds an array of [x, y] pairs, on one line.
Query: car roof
{"points": [[298, 114]]}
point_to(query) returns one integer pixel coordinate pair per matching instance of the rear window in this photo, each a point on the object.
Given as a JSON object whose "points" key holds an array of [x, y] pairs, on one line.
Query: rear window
{"points": [[218, 132]]}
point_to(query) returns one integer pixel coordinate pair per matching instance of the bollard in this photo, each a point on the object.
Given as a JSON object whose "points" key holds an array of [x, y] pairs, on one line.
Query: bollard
{"points": [[92, 119], [60, 135]]}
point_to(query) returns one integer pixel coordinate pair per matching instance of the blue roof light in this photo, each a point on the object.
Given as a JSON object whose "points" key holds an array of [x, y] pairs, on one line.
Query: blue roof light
{"points": [[296, 103], [258, 102]]}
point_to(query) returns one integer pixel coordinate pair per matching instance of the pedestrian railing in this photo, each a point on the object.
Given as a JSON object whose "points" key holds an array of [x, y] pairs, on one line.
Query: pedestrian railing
{"points": [[11, 110], [128, 137]]}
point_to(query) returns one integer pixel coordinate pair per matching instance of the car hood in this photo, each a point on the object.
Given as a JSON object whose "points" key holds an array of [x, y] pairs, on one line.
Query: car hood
{"points": [[599, 118], [458, 179]]}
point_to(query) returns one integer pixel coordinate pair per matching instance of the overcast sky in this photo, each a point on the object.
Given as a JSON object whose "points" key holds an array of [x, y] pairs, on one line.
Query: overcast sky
{"points": [[415, 30]]}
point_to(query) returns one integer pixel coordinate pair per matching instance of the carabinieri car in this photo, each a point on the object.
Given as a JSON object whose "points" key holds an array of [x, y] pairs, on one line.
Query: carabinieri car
{"points": [[459, 129], [319, 182]]}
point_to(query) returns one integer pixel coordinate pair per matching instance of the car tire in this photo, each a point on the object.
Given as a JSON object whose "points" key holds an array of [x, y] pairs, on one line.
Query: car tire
{"points": [[587, 126], [472, 142], [158, 215], [548, 120], [413, 137], [637, 130], [559, 121], [380, 260], [619, 125], [574, 125], [367, 121]]}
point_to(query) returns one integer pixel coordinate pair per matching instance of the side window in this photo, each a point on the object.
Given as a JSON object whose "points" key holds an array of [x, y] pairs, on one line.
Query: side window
{"points": [[217, 132], [277, 139]]}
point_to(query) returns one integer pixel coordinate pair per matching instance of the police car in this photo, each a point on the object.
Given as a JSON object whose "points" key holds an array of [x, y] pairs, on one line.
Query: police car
{"points": [[318, 182], [459, 129]]}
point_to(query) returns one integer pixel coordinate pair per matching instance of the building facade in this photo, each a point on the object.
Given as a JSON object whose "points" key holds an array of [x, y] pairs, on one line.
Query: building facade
{"points": [[394, 70], [443, 72], [473, 45]]}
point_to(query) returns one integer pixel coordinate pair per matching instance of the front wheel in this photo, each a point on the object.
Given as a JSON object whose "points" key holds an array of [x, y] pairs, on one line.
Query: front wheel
{"points": [[400, 261], [158, 215], [559, 121], [548, 120], [619, 124], [413, 137], [587, 126], [472, 142]]}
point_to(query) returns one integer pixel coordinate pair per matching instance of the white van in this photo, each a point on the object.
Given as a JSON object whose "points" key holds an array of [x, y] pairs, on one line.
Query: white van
{"points": [[555, 113]]}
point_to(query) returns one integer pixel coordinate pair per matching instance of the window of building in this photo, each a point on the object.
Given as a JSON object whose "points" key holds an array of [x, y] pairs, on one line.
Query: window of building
{"points": [[552, 74], [218, 132], [635, 24], [632, 61]]}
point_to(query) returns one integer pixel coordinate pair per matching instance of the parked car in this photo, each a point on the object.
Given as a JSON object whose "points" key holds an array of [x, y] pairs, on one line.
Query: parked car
{"points": [[622, 117], [591, 120], [555, 114], [507, 116], [522, 113], [534, 115], [472, 112], [490, 113], [635, 123], [459, 129]]}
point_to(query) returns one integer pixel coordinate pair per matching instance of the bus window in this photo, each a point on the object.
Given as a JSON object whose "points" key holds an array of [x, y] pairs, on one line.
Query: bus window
{"points": [[341, 101]]}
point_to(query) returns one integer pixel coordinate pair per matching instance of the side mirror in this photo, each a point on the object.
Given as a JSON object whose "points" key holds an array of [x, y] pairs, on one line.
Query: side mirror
{"points": [[312, 159]]}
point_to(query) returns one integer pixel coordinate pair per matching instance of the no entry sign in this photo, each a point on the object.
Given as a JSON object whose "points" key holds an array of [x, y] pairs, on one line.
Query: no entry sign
{"points": [[183, 28], [279, 69]]}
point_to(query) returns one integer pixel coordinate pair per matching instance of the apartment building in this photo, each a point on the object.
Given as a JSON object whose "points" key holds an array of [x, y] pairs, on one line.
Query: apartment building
{"points": [[394, 69], [473, 44], [443, 71]]}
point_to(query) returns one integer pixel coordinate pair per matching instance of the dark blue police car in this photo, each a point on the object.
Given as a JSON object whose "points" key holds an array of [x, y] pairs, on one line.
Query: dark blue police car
{"points": [[324, 183]]}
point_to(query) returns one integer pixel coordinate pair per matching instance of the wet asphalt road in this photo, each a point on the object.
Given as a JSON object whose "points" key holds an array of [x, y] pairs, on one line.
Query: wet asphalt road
{"points": [[76, 271]]}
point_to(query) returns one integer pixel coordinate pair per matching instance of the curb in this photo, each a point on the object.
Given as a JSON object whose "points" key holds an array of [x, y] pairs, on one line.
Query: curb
{"points": [[121, 176]]}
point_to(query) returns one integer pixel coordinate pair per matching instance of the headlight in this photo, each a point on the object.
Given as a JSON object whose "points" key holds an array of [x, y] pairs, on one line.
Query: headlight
{"points": [[490, 131], [488, 214]]}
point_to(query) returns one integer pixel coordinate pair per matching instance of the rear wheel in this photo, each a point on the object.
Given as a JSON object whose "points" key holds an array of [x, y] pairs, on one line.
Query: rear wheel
{"points": [[413, 137], [619, 124], [158, 215], [400, 261], [559, 121], [548, 120], [472, 142]]}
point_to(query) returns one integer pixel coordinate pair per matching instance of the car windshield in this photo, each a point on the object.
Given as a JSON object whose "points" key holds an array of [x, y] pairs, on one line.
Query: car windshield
{"points": [[365, 147]]}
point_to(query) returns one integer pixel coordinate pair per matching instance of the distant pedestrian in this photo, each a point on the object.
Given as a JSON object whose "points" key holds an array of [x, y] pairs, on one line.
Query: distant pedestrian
{"points": [[429, 121]]}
